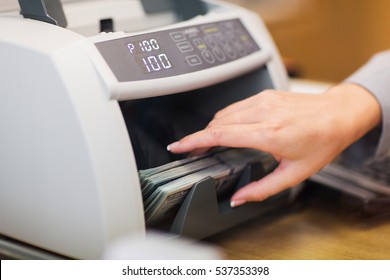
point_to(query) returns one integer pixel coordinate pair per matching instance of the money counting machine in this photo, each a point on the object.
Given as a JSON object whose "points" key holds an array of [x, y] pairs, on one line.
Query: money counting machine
{"points": [[93, 91]]}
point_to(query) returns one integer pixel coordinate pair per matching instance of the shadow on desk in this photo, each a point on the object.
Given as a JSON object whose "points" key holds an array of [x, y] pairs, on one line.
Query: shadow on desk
{"points": [[322, 224]]}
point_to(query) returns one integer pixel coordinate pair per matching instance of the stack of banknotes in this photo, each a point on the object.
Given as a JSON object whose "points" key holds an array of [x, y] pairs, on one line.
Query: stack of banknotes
{"points": [[165, 187]]}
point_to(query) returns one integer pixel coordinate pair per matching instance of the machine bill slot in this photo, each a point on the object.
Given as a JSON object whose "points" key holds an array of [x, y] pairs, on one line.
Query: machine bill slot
{"points": [[201, 215], [155, 122]]}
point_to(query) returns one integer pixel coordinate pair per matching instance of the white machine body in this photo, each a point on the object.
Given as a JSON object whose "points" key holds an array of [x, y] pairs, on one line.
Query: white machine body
{"points": [[68, 176]]}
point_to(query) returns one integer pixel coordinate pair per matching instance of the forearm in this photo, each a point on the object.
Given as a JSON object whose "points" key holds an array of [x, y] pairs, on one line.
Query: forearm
{"points": [[357, 111]]}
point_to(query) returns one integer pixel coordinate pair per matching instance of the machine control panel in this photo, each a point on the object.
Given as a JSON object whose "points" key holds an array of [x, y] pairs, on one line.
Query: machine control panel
{"points": [[177, 51]]}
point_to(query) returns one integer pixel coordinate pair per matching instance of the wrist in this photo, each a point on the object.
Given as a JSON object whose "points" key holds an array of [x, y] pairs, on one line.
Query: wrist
{"points": [[358, 109]]}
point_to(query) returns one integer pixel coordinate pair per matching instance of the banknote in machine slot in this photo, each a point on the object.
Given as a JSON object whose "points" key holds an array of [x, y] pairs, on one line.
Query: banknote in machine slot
{"points": [[171, 186]]}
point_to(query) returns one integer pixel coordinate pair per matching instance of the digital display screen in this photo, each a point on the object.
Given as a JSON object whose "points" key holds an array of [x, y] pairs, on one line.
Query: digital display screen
{"points": [[177, 51], [149, 56]]}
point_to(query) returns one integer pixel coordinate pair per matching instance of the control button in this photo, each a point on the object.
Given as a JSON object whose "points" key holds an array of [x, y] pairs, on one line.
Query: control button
{"points": [[219, 54], [199, 43], [231, 53], [177, 36], [221, 39], [185, 47], [240, 49], [210, 41], [231, 36], [193, 60], [245, 40], [250, 46], [208, 56], [210, 29]]}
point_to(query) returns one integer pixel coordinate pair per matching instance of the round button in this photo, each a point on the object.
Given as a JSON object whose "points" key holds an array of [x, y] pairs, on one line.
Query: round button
{"points": [[219, 54], [208, 56]]}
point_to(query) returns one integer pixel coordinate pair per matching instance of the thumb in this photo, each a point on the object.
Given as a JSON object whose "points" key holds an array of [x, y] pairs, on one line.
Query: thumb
{"points": [[286, 175]]}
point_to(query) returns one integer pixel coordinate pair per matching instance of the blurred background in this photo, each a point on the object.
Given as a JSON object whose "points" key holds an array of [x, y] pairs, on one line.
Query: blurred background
{"points": [[325, 40]]}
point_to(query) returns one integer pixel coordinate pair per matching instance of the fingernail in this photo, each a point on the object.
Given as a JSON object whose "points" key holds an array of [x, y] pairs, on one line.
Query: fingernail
{"points": [[236, 203], [171, 146]]}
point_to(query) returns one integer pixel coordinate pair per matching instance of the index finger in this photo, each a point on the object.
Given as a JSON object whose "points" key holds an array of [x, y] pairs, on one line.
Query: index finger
{"points": [[236, 136]]}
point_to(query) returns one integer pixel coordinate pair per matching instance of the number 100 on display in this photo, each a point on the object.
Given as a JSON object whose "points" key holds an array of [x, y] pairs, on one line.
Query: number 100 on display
{"points": [[151, 63]]}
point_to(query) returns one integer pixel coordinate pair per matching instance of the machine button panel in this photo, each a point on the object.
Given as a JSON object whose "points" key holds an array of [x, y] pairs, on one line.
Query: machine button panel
{"points": [[177, 51]]}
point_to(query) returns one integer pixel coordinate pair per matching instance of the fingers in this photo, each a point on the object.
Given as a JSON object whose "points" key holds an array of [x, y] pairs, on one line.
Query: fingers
{"points": [[284, 176], [234, 136], [247, 116], [250, 115], [209, 137], [238, 106], [230, 126], [264, 98]]}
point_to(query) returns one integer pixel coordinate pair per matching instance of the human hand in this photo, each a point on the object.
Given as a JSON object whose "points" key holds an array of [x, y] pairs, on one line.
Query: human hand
{"points": [[304, 132]]}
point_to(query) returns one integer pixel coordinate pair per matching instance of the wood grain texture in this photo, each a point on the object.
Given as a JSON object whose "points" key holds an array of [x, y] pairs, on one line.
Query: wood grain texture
{"points": [[326, 227]]}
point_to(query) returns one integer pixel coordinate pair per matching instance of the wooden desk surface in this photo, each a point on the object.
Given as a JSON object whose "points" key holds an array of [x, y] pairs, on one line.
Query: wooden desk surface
{"points": [[325, 225]]}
